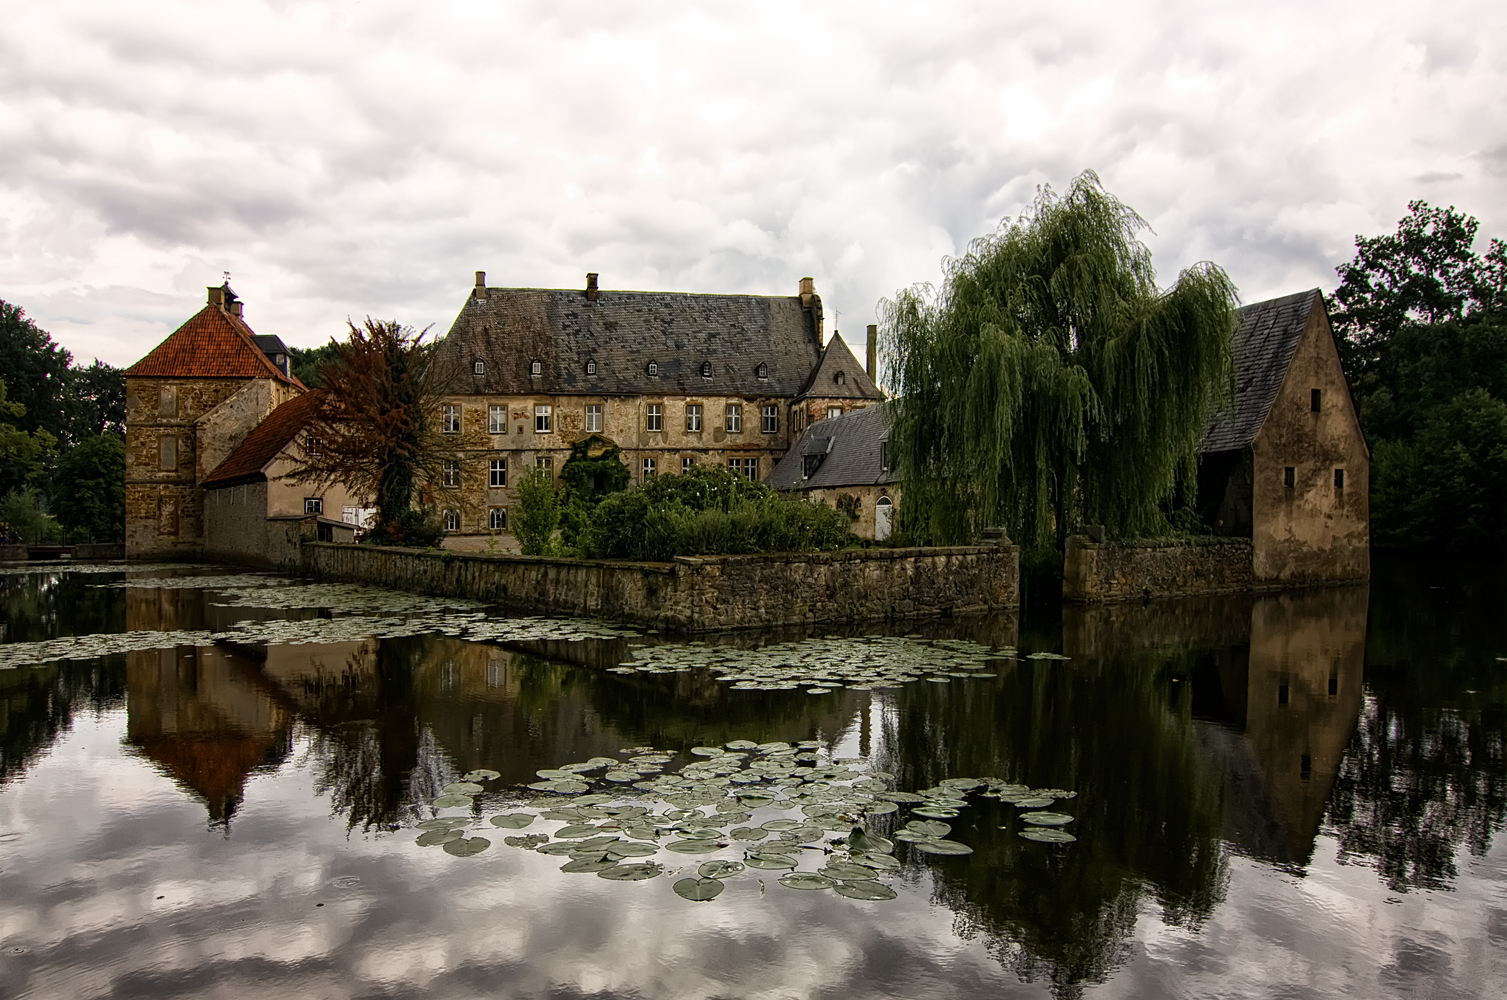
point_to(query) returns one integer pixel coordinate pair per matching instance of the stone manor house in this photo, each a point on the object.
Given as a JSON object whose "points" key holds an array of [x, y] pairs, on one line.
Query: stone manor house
{"points": [[215, 418]]}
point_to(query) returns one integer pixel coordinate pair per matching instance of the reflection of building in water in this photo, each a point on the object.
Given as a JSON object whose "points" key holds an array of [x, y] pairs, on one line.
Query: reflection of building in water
{"points": [[197, 712]]}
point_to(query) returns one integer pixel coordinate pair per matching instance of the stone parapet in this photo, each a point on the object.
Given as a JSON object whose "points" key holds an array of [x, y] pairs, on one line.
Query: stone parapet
{"points": [[704, 593], [1104, 572]]}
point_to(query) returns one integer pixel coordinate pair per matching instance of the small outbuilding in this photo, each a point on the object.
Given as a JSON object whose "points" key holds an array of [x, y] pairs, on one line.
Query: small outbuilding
{"points": [[843, 461]]}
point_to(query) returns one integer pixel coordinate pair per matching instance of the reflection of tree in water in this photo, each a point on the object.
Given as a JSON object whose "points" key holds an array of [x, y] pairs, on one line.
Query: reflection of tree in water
{"points": [[1426, 771], [1148, 816]]}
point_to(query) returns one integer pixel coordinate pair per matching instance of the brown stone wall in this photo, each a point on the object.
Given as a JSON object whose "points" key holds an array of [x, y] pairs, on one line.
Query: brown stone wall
{"points": [[1099, 572], [702, 594], [1311, 532], [814, 408], [624, 422], [867, 496]]}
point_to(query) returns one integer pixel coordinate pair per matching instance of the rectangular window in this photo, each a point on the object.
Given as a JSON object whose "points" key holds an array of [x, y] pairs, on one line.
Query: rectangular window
{"points": [[654, 418], [693, 418], [167, 401], [834, 411], [685, 464], [497, 518], [497, 477], [734, 418], [313, 505], [543, 419], [751, 468], [450, 473], [167, 453], [497, 420], [771, 420], [1289, 477], [884, 456], [1339, 479], [545, 462], [452, 520], [594, 418], [1315, 397], [450, 419], [648, 467]]}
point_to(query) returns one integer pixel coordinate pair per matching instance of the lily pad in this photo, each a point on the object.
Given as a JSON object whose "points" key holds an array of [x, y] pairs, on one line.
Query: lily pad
{"points": [[707, 751], [935, 812], [1047, 818], [554, 773], [528, 841], [575, 831], [1034, 802], [482, 774], [693, 846], [588, 865], [930, 828], [461, 788], [630, 873], [942, 847], [513, 821], [628, 850], [872, 891], [452, 802], [900, 797], [719, 869], [776, 825], [434, 838], [749, 833], [878, 862], [806, 880], [769, 862], [444, 823], [698, 889], [467, 847], [755, 801], [880, 808], [560, 847], [1048, 835], [844, 870]]}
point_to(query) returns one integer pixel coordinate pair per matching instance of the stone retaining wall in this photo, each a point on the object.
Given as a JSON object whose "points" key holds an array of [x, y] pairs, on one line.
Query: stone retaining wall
{"points": [[704, 593], [1102, 572]]}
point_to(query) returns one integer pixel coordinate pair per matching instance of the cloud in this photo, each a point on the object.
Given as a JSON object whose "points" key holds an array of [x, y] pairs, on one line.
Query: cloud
{"points": [[345, 159]]}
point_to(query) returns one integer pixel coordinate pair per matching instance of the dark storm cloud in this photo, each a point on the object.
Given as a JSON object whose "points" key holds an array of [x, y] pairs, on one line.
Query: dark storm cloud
{"points": [[344, 159]]}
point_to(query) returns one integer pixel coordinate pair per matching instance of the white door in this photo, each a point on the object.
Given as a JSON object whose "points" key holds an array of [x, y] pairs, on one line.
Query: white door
{"points": [[884, 514]]}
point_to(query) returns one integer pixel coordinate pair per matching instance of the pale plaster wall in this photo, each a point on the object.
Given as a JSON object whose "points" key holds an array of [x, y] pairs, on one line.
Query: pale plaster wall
{"points": [[1311, 532]]}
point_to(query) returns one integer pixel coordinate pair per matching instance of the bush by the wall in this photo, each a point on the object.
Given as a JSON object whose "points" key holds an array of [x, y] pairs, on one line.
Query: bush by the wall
{"points": [[416, 528]]}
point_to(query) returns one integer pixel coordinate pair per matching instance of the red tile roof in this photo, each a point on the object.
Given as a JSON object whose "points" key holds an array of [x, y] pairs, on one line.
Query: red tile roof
{"points": [[264, 444], [212, 344]]}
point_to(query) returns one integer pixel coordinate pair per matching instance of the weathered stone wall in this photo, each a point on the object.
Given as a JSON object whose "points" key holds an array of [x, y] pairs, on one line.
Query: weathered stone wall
{"points": [[701, 594], [238, 529], [868, 497], [1313, 531], [1098, 572]]}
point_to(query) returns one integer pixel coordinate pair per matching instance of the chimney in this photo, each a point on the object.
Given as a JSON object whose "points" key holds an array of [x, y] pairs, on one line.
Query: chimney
{"points": [[591, 286], [235, 307], [217, 295], [873, 353], [481, 285], [808, 292]]}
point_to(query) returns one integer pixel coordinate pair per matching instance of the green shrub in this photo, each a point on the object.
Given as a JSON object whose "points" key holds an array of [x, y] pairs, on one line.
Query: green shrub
{"points": [[415, 528], [22, 510], [537, 513]]}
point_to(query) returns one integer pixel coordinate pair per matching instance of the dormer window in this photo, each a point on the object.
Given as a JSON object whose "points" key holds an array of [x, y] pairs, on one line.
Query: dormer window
{"points": [[653, 369], [706, 369], [591, 367], [841, 378], [478, 367], [762, 371], [535, 369]]}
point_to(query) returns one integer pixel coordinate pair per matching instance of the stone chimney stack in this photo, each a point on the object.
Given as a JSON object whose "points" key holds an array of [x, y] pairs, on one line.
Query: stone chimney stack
{"points": [[217, 295], [591, 286], [872, 359], [808, 291], [481, 285], [235, 307]]}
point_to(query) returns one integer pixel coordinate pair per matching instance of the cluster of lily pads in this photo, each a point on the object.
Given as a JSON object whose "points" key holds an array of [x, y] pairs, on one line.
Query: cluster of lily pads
{"points": [[765, 807], [825, 664]]}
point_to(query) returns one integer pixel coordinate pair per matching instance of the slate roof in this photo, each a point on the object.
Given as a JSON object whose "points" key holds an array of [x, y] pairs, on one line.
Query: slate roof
{"points": [[838, 357], [851, 444], [1265, 340], [214, 343], [622, 332], [266, 442]]}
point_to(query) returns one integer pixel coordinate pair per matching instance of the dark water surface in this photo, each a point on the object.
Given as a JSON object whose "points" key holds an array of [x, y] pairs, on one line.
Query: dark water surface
{"points": [[1292, 796]]}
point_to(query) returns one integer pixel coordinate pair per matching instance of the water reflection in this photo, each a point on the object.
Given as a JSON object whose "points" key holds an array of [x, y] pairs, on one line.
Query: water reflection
{"points": [[1193, 731]]}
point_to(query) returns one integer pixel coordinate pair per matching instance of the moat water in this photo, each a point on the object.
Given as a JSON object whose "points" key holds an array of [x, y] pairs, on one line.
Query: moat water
{"points": [[213, 784]]}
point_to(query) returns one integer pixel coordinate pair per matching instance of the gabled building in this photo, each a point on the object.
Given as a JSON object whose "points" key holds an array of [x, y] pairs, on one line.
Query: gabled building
{"points": [[843, 461], [189, 404], [1288, 466], [672, 379], [838, 385]]}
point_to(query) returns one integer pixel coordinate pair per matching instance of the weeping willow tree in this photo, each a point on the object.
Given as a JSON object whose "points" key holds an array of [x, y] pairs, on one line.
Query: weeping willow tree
{"points": [[1049, 382]]}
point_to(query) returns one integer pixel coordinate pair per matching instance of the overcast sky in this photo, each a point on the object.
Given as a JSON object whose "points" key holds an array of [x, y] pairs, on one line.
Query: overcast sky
{"points": [[352, 158]]}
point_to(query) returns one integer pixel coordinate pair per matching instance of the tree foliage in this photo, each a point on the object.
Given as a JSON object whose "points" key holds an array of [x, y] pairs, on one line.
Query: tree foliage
{"points": [[68, 401], [1049, 380], [306, 362], [23, 453], [1423, 328], [377, 425], [537, 513], [95, 500]]}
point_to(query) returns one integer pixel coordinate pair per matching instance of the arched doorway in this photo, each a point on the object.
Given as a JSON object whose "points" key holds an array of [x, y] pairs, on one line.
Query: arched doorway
{"points": [[884, 518]]}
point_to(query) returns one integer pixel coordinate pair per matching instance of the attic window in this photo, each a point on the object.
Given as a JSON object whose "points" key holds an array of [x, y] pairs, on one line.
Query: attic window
{"points": [[841, 378], [762, 371], [706, 369], [810, 463], [653, 369], [884, 456], [1315, 398], [536, 368], [591, 367], [478, 368]]}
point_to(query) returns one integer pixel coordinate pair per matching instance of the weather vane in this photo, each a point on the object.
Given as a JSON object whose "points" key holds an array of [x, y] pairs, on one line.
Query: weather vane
{"points": [[227, 276]]}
